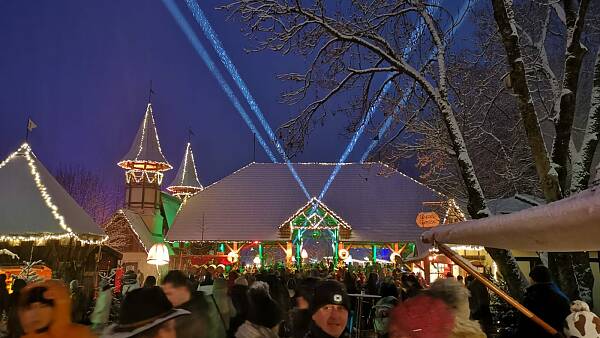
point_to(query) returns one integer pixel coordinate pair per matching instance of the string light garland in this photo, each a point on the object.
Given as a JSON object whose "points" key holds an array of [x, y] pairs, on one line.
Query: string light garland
{"points": [[133, 229], [136, 162], [179, 189], [25, 150]]}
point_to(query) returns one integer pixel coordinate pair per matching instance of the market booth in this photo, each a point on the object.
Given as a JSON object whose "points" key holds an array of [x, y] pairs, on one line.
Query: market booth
{"points": [[259, 215], [43, 229], [568, 225]]}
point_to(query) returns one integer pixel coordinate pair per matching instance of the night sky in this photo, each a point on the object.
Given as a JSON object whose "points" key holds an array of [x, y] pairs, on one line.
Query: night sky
{"points": [[81, 70]]}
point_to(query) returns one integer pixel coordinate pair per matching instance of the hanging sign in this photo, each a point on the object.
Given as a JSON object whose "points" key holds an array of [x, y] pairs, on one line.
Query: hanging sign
{"points": [[428, 219]]}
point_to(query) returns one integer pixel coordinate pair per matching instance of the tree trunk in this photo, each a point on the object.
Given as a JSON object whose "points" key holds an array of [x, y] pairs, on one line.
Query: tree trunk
{"points": [[503, 13], [477, 207], [582, 162], [582, 166], [568, 96], [563, 265]]}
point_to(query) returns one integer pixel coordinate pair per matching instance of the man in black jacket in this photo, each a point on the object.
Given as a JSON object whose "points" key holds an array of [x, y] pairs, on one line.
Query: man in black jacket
{"points": [[329, 309], [545, 300], [177, 288]]}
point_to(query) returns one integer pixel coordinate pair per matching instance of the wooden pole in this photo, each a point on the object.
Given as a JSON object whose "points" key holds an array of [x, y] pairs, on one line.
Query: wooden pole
{"points": [[467, 266]]}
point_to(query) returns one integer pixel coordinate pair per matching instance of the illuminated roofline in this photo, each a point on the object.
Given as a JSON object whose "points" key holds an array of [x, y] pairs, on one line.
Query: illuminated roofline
{"points": [[26, 151]]}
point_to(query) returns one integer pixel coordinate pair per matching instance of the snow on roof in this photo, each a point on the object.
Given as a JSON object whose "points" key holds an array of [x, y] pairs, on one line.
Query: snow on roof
{"points": [[512, 204], [380, 204], [146, 146], [137, 224], [571, 224], [186, 175], [34, 204]]}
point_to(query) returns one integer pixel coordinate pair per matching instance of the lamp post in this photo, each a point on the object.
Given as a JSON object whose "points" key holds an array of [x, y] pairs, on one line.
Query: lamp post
{"points": [[304, 255], [158, 255]]}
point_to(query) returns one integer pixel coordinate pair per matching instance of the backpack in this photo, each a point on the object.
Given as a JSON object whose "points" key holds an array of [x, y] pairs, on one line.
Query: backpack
{"points": [[380, 313]]}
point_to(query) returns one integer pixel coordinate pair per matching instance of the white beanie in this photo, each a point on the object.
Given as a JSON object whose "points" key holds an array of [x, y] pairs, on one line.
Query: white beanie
{"points": [[582, 323]]}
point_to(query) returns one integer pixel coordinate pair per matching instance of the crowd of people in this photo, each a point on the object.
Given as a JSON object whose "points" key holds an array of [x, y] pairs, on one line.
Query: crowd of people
{"points": [[317, 303]]}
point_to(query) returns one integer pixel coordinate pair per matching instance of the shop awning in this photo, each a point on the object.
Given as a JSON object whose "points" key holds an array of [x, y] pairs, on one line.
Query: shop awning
{"points": [[571, 224]]}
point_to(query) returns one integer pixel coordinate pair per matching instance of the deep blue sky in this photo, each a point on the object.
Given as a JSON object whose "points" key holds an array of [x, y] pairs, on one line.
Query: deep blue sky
{"points": [[81, 70]]}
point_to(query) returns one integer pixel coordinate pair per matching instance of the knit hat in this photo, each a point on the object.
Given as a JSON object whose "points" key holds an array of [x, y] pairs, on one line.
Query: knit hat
{"points": [[263, 310], [330, 292], [421, 317], [582, 323], [142, 310], [540, 274]]}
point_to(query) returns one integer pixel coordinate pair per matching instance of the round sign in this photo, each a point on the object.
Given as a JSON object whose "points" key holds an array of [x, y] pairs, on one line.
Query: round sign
{"points": [[428, 219], [343, 253], [232, 257]]}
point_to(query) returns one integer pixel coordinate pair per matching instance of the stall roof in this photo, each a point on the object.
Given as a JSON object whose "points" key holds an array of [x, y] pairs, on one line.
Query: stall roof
{"points": [[571, 224], [33, 203], [379, 203]]}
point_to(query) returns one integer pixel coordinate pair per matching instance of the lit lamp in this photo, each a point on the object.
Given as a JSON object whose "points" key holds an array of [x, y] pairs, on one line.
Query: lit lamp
{"points": [[304, 254], [256, 260], [158, 254]]}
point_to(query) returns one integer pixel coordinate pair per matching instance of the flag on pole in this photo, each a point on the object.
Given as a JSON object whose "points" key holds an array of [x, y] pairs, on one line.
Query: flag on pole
{"points": [[31, 125]]}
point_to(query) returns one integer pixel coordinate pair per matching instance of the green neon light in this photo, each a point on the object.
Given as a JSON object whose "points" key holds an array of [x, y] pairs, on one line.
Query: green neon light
{"points": [[374, 249]]}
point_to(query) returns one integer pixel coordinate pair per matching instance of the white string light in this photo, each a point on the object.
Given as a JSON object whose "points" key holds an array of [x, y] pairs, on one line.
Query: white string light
{"points": [[25, 150], [133, 229]]}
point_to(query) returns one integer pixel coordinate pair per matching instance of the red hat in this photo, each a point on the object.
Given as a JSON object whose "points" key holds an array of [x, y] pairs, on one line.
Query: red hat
{"points": [[421, 317]]}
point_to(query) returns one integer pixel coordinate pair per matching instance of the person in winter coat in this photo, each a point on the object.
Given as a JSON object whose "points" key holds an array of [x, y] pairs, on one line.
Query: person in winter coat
{"points": [[239, 299], [203, 321], [410, 286], [299, 318], [544, 299], [150, 282], [146, 313], [45, 312], [456, 296], [101, 313], [222, 301], [130, 282], [421, 316], [330, 308], [381, 310], [479, 303], [78, 303], [582, 323], [264, 314], [13, 324], [4, 296]]}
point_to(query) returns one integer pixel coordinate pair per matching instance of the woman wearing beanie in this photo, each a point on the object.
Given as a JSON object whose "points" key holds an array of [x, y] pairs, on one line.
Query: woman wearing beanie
{"points": [[264, 314]]}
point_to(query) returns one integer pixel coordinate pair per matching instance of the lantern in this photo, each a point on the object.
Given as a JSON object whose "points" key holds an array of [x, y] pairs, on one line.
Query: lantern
{"points": [[256, 260], [158, 254], [304, 254]]}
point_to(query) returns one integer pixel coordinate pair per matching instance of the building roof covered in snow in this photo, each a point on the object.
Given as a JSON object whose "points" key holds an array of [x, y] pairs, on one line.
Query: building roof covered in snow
{"points": [[34, 204], [512, 204], [378, 203], [145, 148], [186, 178], [570, 224]]}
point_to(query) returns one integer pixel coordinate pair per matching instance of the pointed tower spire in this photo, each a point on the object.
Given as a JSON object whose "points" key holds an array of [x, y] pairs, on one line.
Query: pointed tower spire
{"points": [[186, 182], [144, 165], [145, 150]]}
